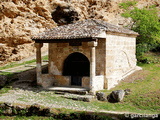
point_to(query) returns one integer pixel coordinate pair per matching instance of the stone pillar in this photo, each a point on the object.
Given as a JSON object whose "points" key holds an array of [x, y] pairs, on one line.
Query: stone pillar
{"points": [[105, 66], [39, 62], [105, 72], [93, 45]]}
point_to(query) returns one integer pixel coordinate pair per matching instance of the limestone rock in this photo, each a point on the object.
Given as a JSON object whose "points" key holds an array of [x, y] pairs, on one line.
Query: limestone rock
{"points": [[116, 96], [101, 96], [85, 99], [17, 53], [3, 80], [21, 19]]}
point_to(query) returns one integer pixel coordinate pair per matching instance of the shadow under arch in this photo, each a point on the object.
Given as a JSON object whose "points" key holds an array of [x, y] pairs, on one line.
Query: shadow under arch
{"points": [[76, 65]]}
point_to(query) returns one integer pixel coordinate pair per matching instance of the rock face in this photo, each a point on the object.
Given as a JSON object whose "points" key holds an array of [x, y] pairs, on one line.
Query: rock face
{"points": [[8, 54], [20, 19]]}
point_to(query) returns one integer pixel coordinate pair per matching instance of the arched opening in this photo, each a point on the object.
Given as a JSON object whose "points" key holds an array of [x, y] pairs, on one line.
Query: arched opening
{"points": [[76, 65]]}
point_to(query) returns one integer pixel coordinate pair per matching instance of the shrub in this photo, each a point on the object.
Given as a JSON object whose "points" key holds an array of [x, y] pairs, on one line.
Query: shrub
{"points": [[146, 23], [127, 4]]}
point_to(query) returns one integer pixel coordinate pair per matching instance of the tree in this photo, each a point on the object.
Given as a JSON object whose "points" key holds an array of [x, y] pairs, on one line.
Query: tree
{"points": [[147, 23]]}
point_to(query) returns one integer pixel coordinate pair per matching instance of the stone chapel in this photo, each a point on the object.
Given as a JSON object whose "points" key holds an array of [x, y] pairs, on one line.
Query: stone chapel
{"points": [[92, 54]]}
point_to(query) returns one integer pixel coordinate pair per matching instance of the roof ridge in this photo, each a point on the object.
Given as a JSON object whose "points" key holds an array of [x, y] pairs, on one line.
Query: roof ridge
{"points": [[94, 20]]}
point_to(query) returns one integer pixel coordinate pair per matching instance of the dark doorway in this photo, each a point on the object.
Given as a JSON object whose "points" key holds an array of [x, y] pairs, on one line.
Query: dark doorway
{"points": [[76, 80], [76, 65]]}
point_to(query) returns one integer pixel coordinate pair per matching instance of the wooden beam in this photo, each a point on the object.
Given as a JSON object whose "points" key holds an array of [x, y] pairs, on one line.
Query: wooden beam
{"points": [[63, 40]]}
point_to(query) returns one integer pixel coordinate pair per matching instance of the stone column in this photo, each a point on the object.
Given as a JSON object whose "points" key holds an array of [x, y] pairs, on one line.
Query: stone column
{"points": [[93, 45], [105, 72], [105, 66], [39, 62]]}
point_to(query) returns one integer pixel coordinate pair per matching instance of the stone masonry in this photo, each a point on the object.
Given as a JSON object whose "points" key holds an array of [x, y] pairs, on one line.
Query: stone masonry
{"points": [[111, 54]]}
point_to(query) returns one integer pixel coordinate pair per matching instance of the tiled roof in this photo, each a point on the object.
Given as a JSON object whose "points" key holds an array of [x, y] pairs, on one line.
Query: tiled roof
{"points": [[89, 28]]}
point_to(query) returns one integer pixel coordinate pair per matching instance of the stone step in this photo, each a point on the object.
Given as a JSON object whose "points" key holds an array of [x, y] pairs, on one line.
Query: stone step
{"points": [[85, 98], [74, 90]]}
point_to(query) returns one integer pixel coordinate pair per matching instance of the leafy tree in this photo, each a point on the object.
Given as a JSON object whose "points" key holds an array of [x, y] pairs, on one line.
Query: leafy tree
{"points": [[147, 23]]}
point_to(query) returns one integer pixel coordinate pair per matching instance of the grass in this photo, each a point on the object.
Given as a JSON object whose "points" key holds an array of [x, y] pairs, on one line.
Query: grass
{"points": [[144, 97], [152, 57], [9, 74], [5, 90], [145, 93], [127, 4]]}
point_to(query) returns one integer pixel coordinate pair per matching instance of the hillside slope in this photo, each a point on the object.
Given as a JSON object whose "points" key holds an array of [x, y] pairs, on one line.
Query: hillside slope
{"points": [[20, 19]]}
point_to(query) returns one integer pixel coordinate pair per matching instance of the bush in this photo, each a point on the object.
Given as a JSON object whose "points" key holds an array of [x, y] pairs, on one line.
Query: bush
{"points": [[146, 23], [142, 59], [127, 4], [156, 49], [144, 47]]}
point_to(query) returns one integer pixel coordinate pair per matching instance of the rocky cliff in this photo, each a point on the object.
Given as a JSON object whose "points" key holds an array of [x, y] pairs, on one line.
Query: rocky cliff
{"points": [[20, 19]]}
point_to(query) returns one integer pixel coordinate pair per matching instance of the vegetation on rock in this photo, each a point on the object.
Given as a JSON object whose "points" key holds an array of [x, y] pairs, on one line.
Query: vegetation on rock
{"points": [[127, 4]]}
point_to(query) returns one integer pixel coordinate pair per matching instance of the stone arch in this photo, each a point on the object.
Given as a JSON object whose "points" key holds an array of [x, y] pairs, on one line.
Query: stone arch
{"points": [[76, 65]]}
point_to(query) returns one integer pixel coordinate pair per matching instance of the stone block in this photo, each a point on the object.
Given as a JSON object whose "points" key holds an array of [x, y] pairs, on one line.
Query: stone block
{"points": [[85, 82], [62, 80], [47, 80]]}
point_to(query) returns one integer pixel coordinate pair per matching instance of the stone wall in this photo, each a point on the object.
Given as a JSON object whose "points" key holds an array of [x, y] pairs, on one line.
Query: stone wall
{"points": [[98, 83], [58, 52], [100, 57], [120, 57], [115, 58]]}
